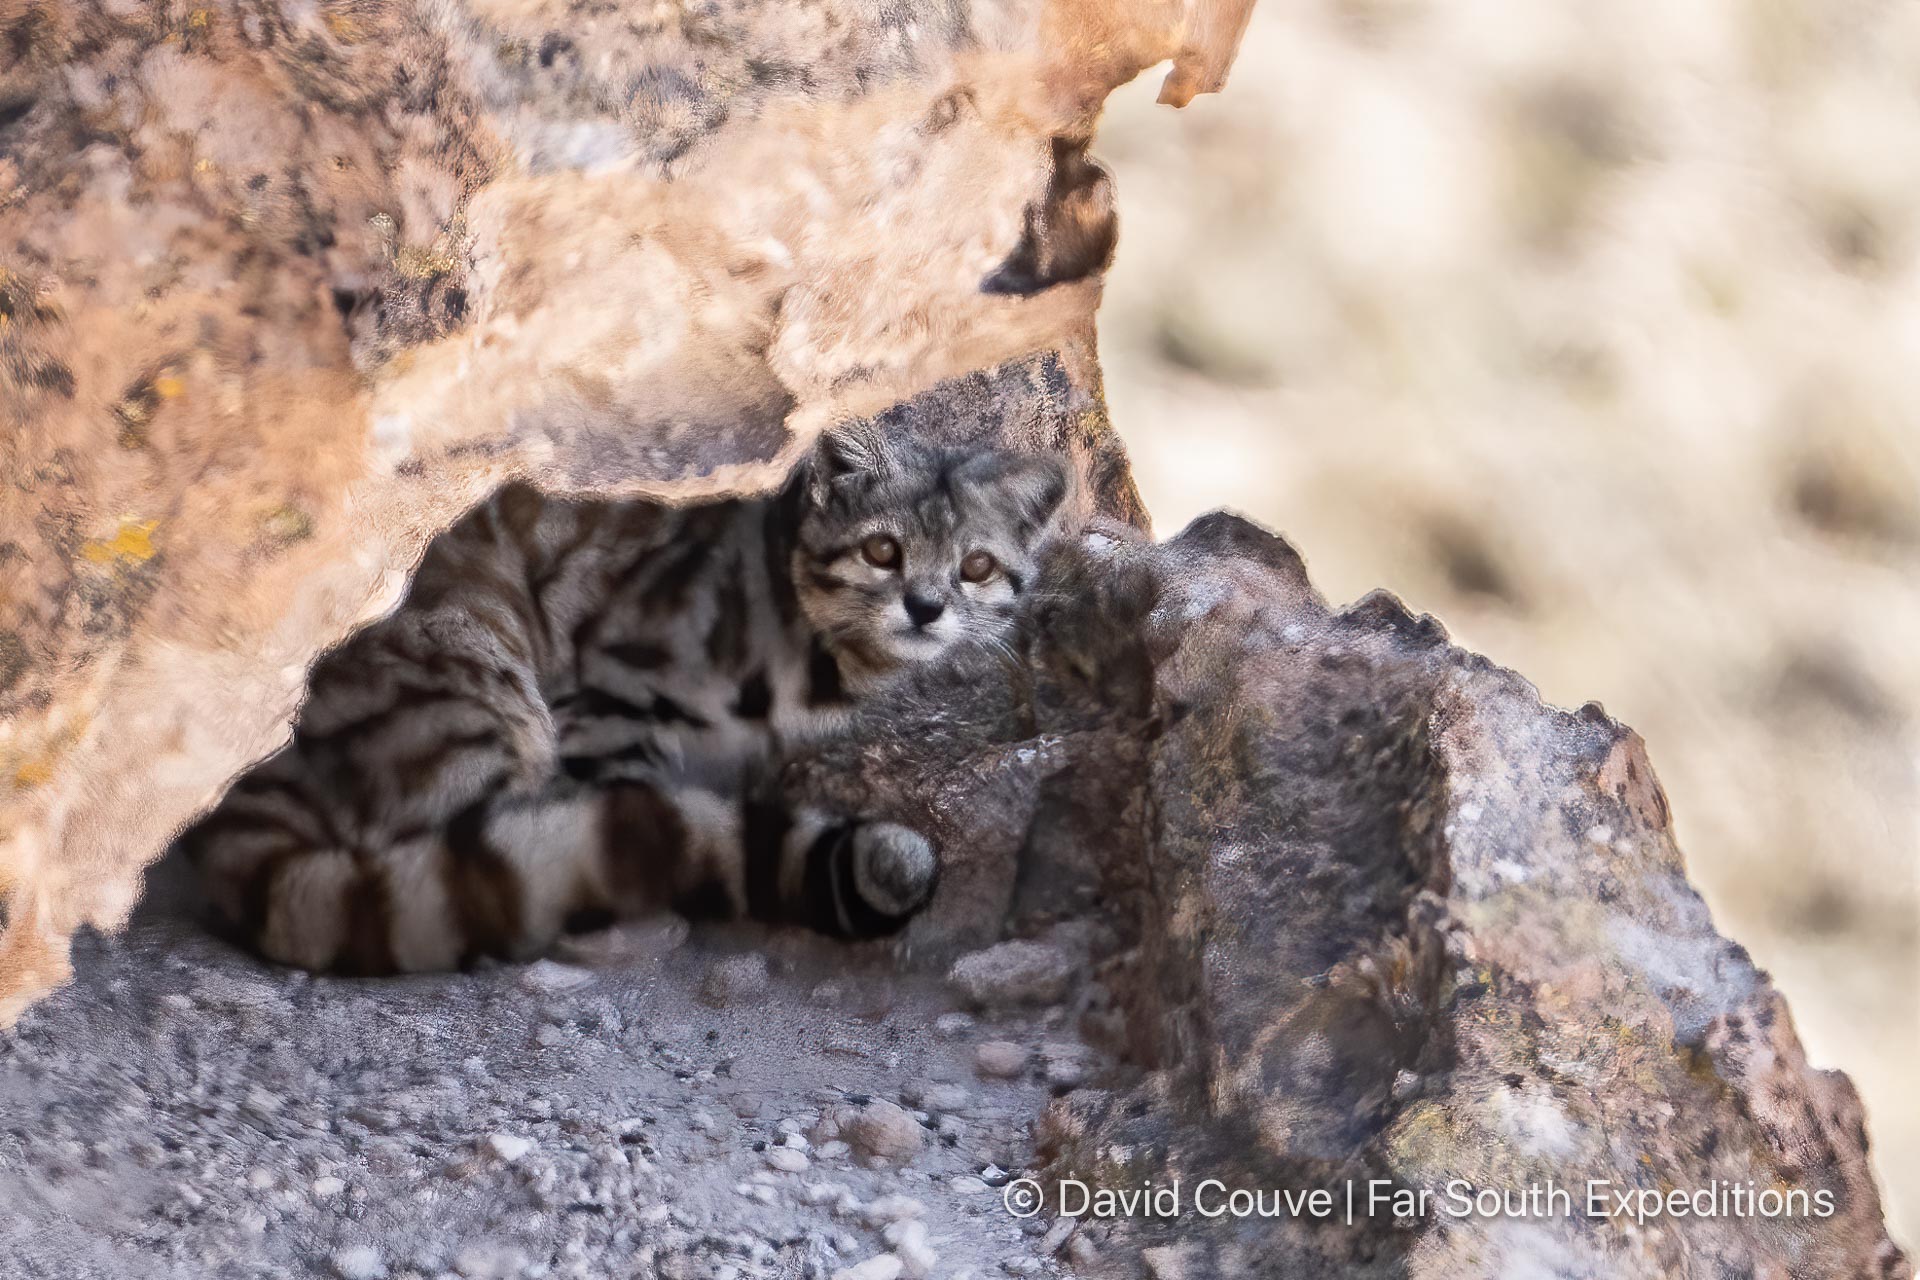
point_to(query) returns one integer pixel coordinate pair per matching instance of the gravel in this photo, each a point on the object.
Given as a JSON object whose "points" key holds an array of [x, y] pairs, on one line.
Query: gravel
{"points": [[664, 1102]]}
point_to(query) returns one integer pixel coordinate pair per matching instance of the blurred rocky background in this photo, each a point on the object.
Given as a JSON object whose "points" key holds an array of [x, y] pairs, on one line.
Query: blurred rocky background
{"points": [[1593, 330]]}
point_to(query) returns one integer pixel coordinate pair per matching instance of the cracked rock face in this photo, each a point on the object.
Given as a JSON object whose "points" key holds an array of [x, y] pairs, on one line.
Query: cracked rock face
{"points": [[1356, 908]]}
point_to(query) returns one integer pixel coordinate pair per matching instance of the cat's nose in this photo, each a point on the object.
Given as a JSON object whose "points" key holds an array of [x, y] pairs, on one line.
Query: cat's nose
{"points": [[923, 609]]}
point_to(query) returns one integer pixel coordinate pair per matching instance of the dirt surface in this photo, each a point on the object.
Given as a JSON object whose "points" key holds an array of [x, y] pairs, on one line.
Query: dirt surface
{"points": [[596, 1116]]}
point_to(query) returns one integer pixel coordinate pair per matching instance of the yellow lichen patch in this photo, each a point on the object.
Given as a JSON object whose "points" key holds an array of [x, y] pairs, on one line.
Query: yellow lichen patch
{"points": [[416, 263], [131, 544], [33, 773], [286, 524], [34, 766], [344, 28], [169, 387]]}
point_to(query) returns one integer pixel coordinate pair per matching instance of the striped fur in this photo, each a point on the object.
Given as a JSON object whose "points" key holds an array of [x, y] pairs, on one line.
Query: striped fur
{"points": [[579, 710]]}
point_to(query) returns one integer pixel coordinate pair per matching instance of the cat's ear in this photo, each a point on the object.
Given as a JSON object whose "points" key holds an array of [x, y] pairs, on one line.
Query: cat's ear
{"points": [[1032, 485], [843, 452]]}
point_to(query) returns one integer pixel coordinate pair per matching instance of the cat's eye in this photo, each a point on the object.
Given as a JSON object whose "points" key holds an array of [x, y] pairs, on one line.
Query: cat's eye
{"points": [[881, 551], [978, 566]]}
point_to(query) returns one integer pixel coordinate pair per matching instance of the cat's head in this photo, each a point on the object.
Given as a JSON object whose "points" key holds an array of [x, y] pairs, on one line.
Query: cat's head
{"points": [[907, 550]]}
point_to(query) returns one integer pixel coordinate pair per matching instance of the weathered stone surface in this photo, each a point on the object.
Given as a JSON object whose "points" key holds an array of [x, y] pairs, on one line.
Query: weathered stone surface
{"points": [[873, 1127], [1012, 973], [286, 287], [1367, 910]]}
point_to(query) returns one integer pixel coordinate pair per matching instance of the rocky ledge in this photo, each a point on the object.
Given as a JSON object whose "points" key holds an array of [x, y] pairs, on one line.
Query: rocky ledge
{"points": [[1317, 945]]}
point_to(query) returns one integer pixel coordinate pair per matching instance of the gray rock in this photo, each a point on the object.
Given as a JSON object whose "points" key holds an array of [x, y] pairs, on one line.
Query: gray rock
{"points": [[1013, 973], [508, 1148], [910, 1243], [1000, 1059], [787, 1160], [358, 1262], [490, 1260], [548, 975], [946, 1097], [874, 1128]]}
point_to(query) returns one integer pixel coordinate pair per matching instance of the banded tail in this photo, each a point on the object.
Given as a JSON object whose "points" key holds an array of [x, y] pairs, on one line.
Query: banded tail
{"points": [[509, 874]]}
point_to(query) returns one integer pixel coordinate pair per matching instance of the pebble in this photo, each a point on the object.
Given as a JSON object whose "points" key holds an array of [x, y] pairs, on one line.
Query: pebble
{"points": [[787, 1160], [489, 1260], [879, 1267], [328, 1186], [968, 1185], [508, 1148], [951, 1026], [549, 975], [875, 1128], [1000, 1059], [833, 1150], [735, 980], [358, 1263], [946, 1097], [1012, 973], [910, 1244]]}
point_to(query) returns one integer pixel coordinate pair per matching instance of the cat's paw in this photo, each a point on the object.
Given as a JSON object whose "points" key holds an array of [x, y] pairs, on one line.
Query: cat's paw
{"points": [[894, 870]]}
